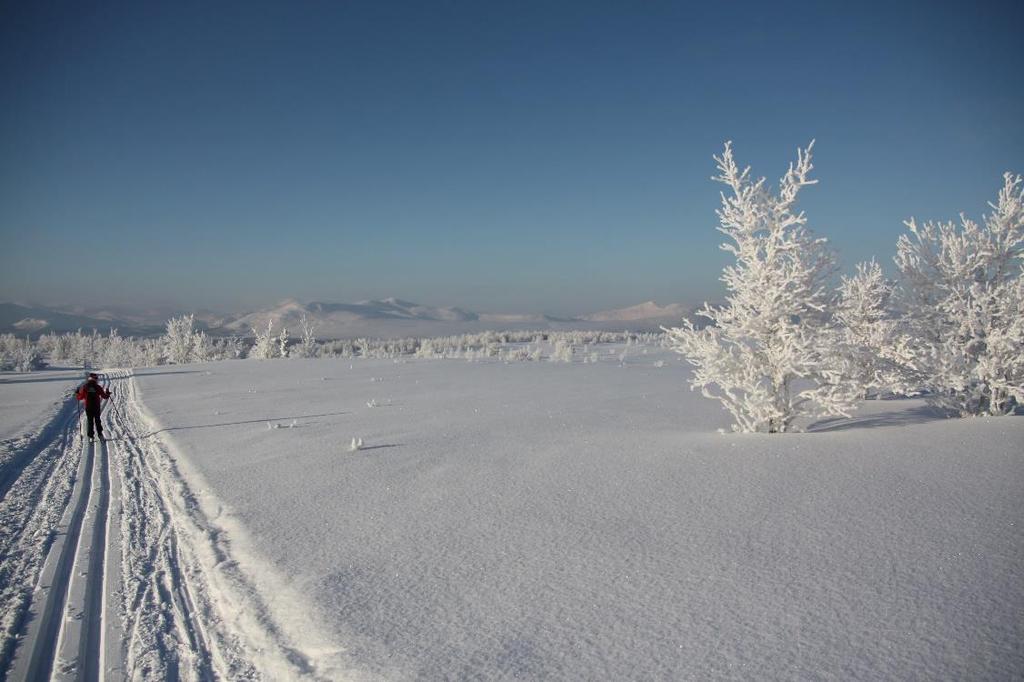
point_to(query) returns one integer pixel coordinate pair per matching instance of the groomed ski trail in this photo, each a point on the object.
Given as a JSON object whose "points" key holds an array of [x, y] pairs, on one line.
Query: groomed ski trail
{"points": [[38, 478], [191, 609], [65, 624], [111, 570]]}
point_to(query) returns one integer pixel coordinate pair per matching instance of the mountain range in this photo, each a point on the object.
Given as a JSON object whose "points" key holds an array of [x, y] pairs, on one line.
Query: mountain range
{"points": [[389, 317]]}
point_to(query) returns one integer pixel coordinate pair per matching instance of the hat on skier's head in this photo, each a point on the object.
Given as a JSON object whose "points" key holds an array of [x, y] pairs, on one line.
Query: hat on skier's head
{"points": [[94, 375]]}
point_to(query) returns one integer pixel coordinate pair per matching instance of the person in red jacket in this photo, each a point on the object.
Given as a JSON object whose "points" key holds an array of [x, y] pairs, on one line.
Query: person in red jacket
{"points": [[92, 394]]}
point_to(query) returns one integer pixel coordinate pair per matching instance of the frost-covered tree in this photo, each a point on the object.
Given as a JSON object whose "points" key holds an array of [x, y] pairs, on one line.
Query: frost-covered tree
{"points": [[202, 347], [152, 352], [234, 348], [562, 351], [282, 343], [8, 349], [263, 346], [84, 348], [228, 348], [963, 290], [28, 357], [771, 353], [306, 348], [57, 346], [868, 330], [182, 340], [20, 355], [118, 351]]}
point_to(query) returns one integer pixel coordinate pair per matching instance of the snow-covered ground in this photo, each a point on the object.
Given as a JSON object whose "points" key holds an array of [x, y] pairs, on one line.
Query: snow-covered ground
{"points": [[27, 400], [550, 521], [586, 521]]}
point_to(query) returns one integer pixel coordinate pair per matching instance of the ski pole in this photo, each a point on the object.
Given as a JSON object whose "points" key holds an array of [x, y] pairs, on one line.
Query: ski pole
{"points": [[110, 394], [81, 428], [106, 382], [113, 405]]}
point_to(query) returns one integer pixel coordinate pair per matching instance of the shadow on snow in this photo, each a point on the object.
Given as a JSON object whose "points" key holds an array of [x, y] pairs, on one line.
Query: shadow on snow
{"points": [[244, 421], [38, 380], [915, 415]]}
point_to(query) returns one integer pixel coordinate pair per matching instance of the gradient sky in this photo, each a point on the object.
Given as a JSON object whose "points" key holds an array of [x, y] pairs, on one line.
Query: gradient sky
{"points": [[510, 156]]}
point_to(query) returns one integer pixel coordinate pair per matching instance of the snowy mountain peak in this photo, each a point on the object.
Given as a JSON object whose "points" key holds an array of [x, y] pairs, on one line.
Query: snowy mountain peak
{"points": [[648, 310], [331, 318], [391, 300]]}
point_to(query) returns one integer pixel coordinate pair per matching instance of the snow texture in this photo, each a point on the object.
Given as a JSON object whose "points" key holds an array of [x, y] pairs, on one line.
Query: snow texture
{"points": [[30, 400], [586, 521]]}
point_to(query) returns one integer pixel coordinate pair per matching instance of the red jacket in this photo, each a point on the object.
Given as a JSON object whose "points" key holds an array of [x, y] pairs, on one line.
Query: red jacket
{"points": [[91, 392]]}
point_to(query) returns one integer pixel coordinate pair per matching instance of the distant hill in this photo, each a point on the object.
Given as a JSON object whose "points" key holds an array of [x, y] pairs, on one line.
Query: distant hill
{"points": [[393, 317], [394, 308], [384, 318], [16, 318], [331, 315], [642, 311]]}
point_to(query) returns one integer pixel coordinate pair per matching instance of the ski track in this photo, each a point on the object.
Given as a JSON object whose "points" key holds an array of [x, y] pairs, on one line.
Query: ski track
{"points": [[109, 569], [39, 478]]}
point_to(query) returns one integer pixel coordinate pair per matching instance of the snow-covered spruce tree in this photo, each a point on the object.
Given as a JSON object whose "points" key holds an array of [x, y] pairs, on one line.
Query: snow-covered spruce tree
{"points": [[868, 330], [963, 290], [771, 353]]}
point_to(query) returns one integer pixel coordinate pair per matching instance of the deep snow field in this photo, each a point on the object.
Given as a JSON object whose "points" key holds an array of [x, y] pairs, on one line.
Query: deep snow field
{"points": [[586, 521], [25, 399], [531, 520]]}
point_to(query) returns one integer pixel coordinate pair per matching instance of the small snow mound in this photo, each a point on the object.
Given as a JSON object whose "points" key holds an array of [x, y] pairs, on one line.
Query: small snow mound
{"points": [[30, 324]]}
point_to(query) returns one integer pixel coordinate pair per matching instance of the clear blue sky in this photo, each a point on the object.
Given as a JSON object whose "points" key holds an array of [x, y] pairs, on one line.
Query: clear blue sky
{"points": [[505, 156]]}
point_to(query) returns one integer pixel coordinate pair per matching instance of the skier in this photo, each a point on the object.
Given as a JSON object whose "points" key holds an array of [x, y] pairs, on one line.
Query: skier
{"points": [[91, 393]]}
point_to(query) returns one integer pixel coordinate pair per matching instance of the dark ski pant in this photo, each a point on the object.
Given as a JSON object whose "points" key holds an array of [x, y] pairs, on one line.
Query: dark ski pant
{"points": [[90, 418]]}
